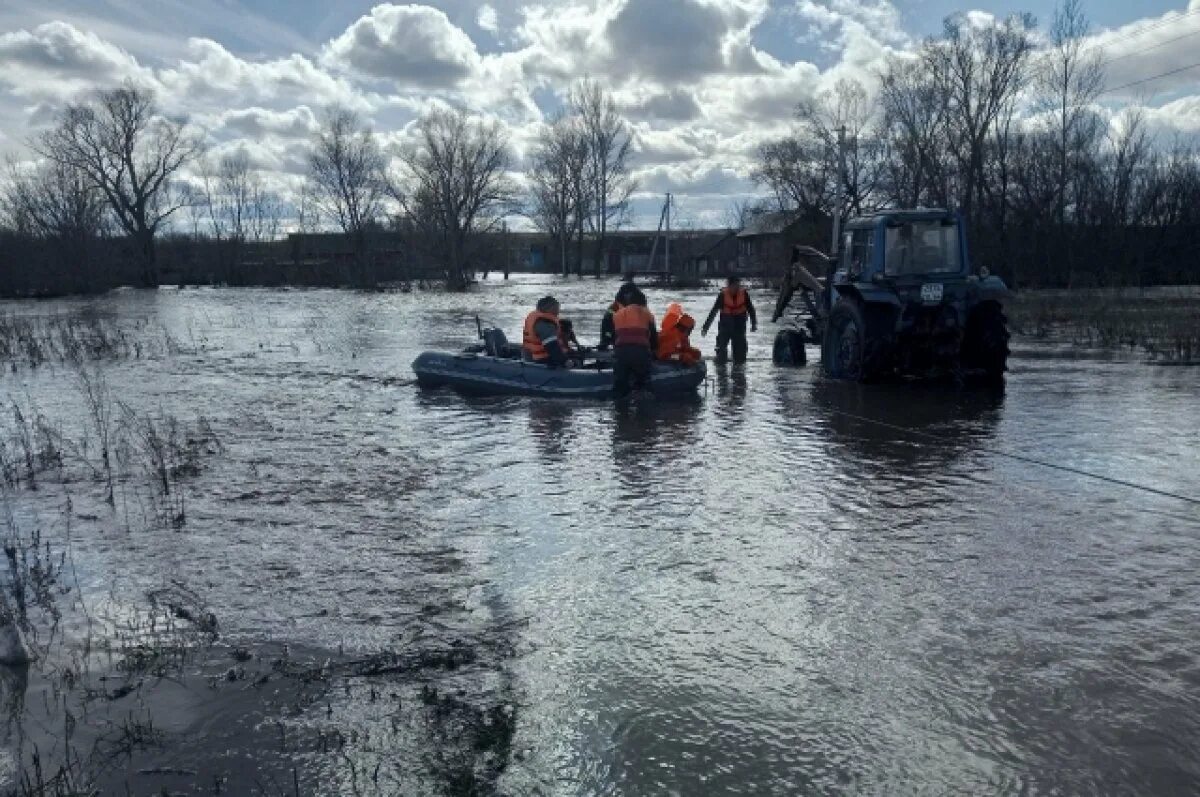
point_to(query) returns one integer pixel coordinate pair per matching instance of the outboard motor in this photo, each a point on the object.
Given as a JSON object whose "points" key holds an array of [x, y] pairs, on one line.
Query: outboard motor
{"points": [[495, 344]]}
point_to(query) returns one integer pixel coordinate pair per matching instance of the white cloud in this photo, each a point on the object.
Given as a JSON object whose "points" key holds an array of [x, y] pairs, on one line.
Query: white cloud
{"points": [[254, 123], [414, 45], [487, 19], [58, 60], [210, 74]]}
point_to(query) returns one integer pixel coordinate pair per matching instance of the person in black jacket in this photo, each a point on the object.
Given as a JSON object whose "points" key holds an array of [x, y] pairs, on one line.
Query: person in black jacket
{"points": [[608, 332]]}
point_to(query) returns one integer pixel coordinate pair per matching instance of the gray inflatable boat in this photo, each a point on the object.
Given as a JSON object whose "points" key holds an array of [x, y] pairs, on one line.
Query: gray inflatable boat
{"points": [[495, 368]]}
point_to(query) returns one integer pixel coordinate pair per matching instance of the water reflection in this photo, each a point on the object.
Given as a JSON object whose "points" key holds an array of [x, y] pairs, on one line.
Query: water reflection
{"points": [[731, 390], [913, 427], [550, 427], [649, 436]]}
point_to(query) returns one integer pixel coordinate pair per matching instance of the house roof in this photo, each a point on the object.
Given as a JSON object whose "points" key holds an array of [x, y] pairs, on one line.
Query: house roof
{"points": [[767, 224]]}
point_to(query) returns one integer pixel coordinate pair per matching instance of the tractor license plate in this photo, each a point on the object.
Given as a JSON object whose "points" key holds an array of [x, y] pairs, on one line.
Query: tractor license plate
{"points": [[931, 292]]}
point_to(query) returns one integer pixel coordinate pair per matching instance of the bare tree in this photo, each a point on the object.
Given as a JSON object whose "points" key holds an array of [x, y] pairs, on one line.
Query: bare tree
{"points": [[229, 188], [609, 144], [979, 69], [265, 217], [347, 173], [914, 114], [195, 206], [798, 173], [558, 171], [455, 184], [308, 215], [845, 117], [58, 204], [741, 212], [130, 153], [1070, 79]]}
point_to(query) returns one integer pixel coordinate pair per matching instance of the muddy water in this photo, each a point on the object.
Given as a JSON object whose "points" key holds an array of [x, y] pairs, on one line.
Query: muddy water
{"points": [[768, 590]]}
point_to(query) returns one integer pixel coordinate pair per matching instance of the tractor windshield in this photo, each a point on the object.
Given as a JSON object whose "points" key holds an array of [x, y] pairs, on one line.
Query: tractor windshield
{"points": [[922, 247]]}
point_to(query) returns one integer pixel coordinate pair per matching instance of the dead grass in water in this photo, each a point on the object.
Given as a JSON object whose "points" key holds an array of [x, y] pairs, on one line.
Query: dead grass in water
{"points": [[1164, 325]]}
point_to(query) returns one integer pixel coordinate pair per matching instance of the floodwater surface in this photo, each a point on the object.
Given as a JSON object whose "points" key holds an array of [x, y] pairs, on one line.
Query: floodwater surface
{"points": [[784, 586]]}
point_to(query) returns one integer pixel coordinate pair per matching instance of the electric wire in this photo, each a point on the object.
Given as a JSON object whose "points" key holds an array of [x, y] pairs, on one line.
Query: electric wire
{"points": [[1161, 23], [1150, 79], [1116, 58], [1027, 459]]}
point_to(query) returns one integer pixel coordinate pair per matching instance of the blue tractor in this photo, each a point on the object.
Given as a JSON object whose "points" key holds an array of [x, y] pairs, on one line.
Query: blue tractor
{"points": [[899, 298]]}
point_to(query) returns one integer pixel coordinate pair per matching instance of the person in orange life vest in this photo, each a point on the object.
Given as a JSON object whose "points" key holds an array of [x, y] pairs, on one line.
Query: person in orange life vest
{"points": [[735, 307], [636, 341], [671, 317], [673, 343], [540, 341], [607, 332]]}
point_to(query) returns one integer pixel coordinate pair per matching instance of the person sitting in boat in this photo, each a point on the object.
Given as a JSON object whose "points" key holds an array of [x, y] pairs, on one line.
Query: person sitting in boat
{"points": [[671, 317], [636, 341], [570, 343], [674, 344], [608, 332], [542, 341]]}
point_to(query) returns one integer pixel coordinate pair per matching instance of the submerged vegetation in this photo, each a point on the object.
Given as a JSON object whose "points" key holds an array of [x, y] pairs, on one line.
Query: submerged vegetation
{"points": [[97, 709], [1163, 324]]}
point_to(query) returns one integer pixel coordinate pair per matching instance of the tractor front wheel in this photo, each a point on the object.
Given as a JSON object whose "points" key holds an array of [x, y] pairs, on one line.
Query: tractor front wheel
{"points": [[857, 340], [789, 348]]}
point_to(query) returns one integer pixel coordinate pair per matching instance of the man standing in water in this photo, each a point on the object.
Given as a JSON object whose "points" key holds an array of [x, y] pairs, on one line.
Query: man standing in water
{"points": [[636, 340], [734, 305]]}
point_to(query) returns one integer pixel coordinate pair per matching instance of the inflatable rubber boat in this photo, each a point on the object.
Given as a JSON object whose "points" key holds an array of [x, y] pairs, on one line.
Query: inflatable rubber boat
{"points": [[495, 368]]}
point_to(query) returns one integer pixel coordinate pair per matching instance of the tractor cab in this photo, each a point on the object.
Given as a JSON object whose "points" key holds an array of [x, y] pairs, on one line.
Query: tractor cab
{"points": [[903, 246]]}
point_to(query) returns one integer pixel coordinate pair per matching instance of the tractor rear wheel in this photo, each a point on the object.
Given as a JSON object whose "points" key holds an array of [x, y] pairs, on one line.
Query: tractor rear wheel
{"points": [[855, 343], [985, 344], [789, 348]]}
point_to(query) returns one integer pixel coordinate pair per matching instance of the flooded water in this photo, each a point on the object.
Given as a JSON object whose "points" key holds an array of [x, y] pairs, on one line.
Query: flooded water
{"points": [[771, 589]]}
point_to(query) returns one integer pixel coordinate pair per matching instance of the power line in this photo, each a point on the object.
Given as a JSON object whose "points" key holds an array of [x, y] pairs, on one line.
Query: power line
{"points": [[1161, 23], [1108, 61], [1022, 458], [1150, 79]]}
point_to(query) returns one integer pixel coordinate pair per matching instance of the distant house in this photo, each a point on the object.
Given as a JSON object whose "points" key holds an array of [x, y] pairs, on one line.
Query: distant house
{"points": [[715, 254], [693, 253], [765, 243]]}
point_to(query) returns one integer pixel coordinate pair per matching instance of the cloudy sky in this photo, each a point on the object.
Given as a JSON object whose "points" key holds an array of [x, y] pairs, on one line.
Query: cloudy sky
{"points": [[701, 81]]}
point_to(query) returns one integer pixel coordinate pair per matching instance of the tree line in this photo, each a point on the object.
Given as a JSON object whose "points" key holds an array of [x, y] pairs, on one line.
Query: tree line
{"points": [[111, 171], [1013, 136]]}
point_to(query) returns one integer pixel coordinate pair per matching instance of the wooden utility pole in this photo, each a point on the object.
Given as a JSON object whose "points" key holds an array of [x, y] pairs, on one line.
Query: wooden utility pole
{"points": [[668, 249], [837, 193]]}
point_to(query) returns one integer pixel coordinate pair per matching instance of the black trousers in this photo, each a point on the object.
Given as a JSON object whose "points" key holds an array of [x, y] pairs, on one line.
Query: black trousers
{"points": [[631, 368], [731, 329]]}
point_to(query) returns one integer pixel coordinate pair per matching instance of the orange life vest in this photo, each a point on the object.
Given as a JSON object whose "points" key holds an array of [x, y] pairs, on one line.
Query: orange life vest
{"points": [[672, 316], [531, 342], [733, 301], [673, 343], [632, 325]]}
